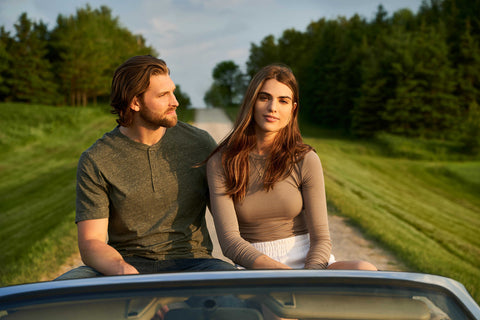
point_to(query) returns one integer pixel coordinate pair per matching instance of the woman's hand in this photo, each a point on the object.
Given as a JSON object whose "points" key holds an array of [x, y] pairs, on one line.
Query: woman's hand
{"points": [[265, 262]]}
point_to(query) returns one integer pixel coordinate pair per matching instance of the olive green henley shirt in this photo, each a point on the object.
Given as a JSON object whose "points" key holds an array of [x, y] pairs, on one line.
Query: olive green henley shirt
{"points": [[153, 196]]}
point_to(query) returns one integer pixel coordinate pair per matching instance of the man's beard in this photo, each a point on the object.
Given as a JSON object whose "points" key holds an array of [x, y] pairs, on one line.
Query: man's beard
{"points": [[155, 120]]}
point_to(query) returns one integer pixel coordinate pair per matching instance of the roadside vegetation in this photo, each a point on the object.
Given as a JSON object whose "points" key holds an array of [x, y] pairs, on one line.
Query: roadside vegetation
{"points": [[39, 151], [418, 199]]}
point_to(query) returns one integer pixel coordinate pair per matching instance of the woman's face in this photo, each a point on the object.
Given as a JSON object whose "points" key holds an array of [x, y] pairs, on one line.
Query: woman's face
{"points": [[273, 107]]}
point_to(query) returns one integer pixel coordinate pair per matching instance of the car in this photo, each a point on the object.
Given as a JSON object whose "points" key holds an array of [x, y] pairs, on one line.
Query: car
{"points": [[245, 294]]}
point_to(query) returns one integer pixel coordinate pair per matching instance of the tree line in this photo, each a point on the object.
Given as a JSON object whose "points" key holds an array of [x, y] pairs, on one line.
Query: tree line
{"points": [[72, 64], [411, 74]]}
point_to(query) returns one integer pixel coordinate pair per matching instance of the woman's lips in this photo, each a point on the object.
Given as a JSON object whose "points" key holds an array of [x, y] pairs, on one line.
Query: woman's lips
{"points": [[270, 118]]}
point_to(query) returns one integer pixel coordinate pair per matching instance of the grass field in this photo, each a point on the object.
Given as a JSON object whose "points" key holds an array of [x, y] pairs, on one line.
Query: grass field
{"points": [[425, 211], [419, 199], [39, 150]]}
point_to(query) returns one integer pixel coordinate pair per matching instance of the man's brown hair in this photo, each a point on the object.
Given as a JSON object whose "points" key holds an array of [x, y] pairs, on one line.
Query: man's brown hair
{"points": [[130, 80]]}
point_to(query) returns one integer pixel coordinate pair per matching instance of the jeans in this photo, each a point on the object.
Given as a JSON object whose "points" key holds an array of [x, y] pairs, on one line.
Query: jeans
{"points": [[145, 266]]}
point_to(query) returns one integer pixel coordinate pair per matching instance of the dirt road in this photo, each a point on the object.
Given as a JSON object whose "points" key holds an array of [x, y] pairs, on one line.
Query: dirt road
{"points": [[348, 242]]}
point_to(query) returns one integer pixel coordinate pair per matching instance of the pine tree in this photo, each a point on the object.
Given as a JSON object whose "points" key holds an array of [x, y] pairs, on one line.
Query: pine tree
{"points": [[378, 83], [468, 91], [5, 60], [457, 14], [468, 70], [470, 130], [291, 49], [424, 103], [32, 77], [89, 46], [376, 90], [320, 87], [351, 70], [262, 55]]}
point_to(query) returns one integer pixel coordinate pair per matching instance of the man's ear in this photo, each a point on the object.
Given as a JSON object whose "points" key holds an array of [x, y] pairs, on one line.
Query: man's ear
{"points": [[135, 104]]}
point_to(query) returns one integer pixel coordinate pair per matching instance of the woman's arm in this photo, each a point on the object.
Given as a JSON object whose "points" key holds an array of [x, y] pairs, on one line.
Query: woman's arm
{"points": [[233, 245], [316, 217]]}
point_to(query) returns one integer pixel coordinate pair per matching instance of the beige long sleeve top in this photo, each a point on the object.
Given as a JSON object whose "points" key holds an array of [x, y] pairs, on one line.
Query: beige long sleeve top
{"points": [[295, 206]]}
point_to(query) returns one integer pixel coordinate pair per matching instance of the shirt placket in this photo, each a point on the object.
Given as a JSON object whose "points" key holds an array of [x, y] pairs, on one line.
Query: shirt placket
{"points": [[153, 167]]}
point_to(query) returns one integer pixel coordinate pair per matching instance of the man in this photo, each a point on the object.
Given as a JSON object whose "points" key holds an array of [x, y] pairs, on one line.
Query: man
{"points": [[140, 185]]}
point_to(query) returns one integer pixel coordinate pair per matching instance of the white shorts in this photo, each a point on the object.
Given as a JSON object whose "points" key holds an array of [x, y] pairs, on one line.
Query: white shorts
{"points": [[290, 251]]}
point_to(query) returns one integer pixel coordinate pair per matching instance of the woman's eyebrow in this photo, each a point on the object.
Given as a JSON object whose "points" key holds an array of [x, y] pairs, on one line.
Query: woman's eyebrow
{"points": [[268, 94]]}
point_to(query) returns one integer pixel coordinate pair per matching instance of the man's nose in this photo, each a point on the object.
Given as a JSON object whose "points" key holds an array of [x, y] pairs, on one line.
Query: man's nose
{"points": [[174, 101]]}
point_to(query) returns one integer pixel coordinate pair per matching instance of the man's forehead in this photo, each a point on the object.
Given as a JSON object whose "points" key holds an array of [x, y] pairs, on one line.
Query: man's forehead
{"points": [[161, 81]]}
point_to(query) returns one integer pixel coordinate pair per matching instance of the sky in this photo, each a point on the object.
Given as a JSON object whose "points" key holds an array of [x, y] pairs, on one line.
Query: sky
{"points": [[193, 36]]}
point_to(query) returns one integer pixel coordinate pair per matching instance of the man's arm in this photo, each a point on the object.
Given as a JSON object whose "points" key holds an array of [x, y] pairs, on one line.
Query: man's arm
{"points": [[96, 253]]}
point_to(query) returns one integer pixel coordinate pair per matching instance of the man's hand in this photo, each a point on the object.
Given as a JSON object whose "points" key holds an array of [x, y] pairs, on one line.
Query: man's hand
{"points": [[125, 268]]}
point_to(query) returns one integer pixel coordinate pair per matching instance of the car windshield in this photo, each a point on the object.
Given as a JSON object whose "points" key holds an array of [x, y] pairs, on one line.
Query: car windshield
{"points": [[247, 299]]}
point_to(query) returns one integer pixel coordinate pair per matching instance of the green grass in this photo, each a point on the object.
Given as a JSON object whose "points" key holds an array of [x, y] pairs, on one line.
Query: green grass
{"points": [[420, 149], [425, 211], [39, 151]]}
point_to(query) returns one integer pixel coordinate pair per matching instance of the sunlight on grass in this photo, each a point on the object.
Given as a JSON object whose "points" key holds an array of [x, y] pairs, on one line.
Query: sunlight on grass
{"points": [[40, 147], [468, 172], [419, 209]]}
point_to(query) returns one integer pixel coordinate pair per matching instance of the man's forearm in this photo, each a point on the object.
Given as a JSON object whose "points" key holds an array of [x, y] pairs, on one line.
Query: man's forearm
{"points": [[104, 258]]}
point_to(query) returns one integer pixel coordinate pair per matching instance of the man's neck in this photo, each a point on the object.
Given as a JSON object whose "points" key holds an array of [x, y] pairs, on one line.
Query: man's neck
{"points": [[143, 135]]}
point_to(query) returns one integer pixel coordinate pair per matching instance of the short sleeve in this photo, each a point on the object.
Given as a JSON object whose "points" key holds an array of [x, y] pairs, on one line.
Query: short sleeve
{"points": [[92, 191]]}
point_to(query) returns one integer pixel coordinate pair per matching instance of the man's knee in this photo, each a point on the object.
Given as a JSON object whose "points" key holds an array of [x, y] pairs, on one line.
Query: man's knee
{"points": [[79, 273], [216, 265]]}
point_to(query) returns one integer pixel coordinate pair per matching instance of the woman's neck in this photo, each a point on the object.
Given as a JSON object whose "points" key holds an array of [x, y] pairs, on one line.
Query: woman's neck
{"points": [[264, 143]]}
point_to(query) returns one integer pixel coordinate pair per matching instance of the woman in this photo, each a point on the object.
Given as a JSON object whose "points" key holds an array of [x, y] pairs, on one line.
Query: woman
{"points": [[266, 186]]}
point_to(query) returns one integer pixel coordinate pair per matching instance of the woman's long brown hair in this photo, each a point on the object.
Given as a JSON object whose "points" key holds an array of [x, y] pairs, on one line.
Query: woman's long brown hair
{"points": [[287, 148]]}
